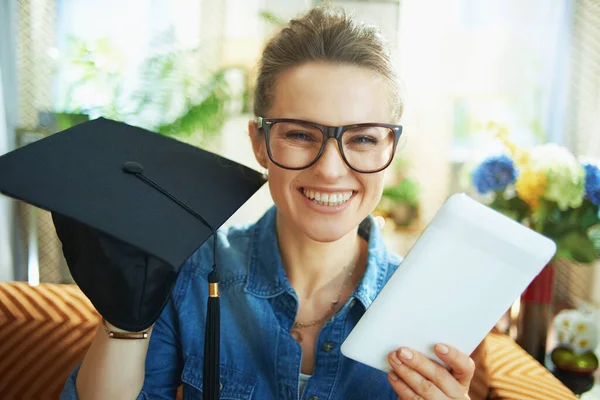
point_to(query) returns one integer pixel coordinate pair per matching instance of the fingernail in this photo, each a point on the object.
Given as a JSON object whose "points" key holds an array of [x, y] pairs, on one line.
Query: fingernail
{"points": [[393, 376], [443, 349], [395, 358], [405, 353]]}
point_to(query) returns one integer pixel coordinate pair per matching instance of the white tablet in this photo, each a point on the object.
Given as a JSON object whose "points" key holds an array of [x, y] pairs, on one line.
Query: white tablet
{"points": [[466, 269]]}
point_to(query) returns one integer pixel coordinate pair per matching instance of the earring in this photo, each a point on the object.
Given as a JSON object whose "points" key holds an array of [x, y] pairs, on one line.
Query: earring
{"points": [[265, 174]]}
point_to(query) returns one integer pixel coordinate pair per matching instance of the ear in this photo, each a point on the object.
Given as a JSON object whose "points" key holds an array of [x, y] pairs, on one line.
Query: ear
{"points": [[258, 144]]}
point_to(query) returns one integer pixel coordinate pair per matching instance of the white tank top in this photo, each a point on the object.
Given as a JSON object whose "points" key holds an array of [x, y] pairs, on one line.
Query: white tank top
{"points": [[303, 379]]}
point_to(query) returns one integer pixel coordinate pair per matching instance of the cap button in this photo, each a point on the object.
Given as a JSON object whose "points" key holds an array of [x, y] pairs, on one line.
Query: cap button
{"points": [[133, 167]]}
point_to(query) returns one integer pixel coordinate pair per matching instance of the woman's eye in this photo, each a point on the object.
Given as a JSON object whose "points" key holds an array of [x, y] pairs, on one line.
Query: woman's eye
{"points": [[298, 136], [364, 140]]}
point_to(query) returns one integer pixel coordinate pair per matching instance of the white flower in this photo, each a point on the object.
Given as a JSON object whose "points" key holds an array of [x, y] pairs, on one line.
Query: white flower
{"points": [[576, 330], [550, 156], [510, 192], [565, 174], [584, 342], [589, 160], [582, 324], [564, 320]]}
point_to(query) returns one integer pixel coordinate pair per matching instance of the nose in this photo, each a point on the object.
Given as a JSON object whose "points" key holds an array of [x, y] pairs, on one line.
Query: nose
{"points": [[331, 165]]}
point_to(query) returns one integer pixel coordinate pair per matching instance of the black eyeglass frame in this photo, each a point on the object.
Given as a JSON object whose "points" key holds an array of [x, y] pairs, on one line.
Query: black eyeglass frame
{"points": [[329, 132]]}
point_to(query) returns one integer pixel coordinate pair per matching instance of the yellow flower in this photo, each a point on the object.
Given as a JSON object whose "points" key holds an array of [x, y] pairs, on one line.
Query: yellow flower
{"points": [[531, 185], [520, 156]]}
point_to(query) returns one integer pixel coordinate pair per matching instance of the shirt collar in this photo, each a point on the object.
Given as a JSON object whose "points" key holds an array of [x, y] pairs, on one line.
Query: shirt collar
{"points": [[378, 264], [266, 277]]}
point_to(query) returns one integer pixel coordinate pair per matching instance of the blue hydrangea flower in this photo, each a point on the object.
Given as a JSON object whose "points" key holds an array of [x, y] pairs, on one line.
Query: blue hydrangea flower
{"points": [[495, 173], [592, 183]]}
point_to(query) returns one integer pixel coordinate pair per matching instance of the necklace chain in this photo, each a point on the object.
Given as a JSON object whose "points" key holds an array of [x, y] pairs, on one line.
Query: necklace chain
{"points": [[334, 304]]}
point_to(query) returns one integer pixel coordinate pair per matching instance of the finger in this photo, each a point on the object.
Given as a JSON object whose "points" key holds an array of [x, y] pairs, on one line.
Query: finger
{"points": [[461, 365], [403, 391], [417, 382], [432, 372]]}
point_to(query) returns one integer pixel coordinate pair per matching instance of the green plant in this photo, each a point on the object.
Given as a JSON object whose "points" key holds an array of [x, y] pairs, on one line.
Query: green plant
{"points": [[92, 72], [177, 95], [177, 85], [407, 191]]}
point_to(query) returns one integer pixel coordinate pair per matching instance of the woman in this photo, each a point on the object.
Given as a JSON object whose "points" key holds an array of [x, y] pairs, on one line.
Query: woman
{"points": [[295, 283]]}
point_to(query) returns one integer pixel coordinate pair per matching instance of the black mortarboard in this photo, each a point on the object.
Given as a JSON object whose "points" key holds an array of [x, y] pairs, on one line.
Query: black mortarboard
{"points": [[130, 207]]}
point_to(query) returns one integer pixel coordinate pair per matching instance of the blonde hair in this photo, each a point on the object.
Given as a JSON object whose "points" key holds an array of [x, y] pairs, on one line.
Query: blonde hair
{"points": [[329, 35]]}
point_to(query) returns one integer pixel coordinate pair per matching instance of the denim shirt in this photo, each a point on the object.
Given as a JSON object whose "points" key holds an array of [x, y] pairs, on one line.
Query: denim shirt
{"points": [[259, 357]]}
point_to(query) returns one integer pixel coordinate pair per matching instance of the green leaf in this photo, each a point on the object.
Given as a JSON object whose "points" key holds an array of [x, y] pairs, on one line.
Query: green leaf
{"points": [[594, 235], [206, 116], [519, 207], [578, 245], [588, 215], [272, 18]]}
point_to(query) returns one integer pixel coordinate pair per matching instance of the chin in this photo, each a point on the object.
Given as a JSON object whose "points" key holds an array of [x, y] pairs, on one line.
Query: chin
{"points": [[324, 231]]}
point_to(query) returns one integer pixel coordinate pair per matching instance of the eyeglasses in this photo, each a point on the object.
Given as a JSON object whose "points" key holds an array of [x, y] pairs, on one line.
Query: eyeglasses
{"points": [[296, 144]]}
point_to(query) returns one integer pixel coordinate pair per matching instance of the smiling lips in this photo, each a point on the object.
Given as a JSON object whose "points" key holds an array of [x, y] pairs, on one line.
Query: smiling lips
{"points": [[327, 198]]}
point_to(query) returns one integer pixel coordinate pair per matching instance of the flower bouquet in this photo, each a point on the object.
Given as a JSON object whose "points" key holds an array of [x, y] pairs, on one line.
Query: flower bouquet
{"points": [[547, 189], [551, 191]]}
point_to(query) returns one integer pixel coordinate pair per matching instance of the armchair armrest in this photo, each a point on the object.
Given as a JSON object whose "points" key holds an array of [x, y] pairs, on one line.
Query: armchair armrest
{"points": [[511, 373]]}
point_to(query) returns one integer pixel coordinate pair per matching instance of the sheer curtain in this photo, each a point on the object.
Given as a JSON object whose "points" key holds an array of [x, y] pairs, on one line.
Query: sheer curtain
{"points": [[465, 63], [8, 117], [583, 122], [6, 272]]}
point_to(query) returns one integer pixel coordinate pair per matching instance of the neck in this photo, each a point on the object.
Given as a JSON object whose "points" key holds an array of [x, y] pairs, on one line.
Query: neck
{"points": [[312, 266]]}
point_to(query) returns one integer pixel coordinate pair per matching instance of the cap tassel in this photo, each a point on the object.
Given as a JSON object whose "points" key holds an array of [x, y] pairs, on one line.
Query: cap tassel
{"points": [[212, 334], [211, 375]]}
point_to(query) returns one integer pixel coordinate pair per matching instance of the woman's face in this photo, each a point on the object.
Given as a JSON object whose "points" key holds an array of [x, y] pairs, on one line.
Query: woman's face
{"points": [[330, 95]]}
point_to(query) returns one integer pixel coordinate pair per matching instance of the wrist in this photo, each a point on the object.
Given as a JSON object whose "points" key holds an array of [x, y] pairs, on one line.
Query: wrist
{"points": [[118, 333]]}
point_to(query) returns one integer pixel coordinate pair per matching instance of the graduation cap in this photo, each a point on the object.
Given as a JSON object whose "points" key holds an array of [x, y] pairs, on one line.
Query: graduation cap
{"points": [[130, 207]]}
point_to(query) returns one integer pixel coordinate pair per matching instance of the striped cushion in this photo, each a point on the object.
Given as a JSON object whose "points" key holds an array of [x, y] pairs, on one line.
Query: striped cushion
{"points": [[44, 332], [513, 374]]}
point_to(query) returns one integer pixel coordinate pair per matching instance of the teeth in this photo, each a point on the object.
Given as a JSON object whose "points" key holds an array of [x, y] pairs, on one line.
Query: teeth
{"points": [[327, 199]]}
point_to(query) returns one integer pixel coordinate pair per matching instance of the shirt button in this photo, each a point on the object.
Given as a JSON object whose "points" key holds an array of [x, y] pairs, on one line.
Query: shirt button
{"points": [[352, 302], [313, 398], [328, 346]]}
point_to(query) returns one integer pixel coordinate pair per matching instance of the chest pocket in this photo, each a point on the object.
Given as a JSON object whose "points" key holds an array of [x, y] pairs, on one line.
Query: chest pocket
{"points": [[235, 385]]}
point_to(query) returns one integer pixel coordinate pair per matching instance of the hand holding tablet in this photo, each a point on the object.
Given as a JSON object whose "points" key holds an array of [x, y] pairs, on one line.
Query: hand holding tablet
{"points": [[466, 269]]}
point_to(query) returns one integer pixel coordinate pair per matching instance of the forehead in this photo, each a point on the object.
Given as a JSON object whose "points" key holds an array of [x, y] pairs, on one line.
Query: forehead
{"points": [[331, 94]]}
